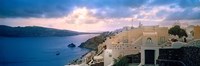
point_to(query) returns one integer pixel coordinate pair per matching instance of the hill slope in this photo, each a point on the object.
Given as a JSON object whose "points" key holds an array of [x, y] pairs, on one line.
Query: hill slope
{"points": [[94, 42], [33, 31]]}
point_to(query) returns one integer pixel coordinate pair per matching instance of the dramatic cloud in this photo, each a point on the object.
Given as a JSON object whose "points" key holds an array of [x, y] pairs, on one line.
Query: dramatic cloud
{"points": [[103, 15], [35, 8], [189, 3], [58, 8], [104, 8], [187, 14]]}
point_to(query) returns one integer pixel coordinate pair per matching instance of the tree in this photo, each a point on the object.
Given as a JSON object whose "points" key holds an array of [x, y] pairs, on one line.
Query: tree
{"points": [[121, 61], [176, 30]]}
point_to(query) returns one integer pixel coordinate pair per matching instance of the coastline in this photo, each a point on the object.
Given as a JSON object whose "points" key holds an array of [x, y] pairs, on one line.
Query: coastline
{"points": [[79, 60], [91, 44], [43, 48]]}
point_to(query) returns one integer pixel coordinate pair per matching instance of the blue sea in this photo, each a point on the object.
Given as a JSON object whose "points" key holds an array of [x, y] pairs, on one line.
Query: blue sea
{"points": [[41, 51]]}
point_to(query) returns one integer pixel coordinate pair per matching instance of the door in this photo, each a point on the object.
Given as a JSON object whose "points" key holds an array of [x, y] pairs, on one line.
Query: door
{"points": [[149, 56]]}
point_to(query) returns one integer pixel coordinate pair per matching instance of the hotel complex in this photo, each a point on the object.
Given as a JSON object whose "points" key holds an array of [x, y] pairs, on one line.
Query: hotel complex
{"points": [[142, 40], [150, 41]]}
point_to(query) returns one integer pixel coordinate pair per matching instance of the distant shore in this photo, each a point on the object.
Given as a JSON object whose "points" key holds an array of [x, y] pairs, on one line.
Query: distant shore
{"points": [[37, 31]]}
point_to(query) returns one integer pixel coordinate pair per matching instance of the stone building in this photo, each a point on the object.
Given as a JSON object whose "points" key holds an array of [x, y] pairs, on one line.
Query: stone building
{"points": [[196, 32], [135, 41]]}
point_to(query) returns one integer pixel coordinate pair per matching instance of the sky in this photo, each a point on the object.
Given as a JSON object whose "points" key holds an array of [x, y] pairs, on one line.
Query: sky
{"points": [[97, 15]]}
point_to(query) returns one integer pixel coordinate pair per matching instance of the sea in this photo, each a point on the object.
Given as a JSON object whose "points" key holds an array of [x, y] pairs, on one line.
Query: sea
{"points": [[41, 51]]}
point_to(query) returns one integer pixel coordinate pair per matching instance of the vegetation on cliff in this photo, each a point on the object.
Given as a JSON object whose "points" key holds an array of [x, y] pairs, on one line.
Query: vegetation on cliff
{"points": [[124, 61]]}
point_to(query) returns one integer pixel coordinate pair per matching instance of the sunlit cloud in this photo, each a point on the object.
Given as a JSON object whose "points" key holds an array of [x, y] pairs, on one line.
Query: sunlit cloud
{"points": [[97, 15]]}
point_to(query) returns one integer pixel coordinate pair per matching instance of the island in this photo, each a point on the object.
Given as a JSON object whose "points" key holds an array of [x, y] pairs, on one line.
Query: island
{"points": [[34, 31], [71, 45]]}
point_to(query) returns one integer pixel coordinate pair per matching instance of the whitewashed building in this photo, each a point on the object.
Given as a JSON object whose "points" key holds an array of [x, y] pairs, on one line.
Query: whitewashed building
{"points": [[134, 41]]}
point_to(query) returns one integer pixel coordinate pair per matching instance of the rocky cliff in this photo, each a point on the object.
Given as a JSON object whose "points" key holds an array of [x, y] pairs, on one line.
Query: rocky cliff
{"points": [[93, 43]]}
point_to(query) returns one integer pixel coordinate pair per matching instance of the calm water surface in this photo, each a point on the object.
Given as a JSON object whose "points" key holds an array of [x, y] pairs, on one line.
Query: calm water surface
{"points": [[41, 51]]}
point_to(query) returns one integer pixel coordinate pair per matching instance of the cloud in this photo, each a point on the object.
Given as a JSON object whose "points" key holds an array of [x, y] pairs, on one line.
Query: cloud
{"points": [[181, 3], [35, 8], [187, 14], [58, 8], [112, 3], [115, 12], [189, 3], [162, 2], [104, 8], [103, 15], [177, 9]]}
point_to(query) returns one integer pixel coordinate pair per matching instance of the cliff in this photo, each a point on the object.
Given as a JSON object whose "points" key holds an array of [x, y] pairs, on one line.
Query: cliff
{"points": [[93, 43]]}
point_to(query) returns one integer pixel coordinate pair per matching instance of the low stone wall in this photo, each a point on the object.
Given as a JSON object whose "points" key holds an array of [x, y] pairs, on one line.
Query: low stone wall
{"points": [[190, 56], [124, 61]]}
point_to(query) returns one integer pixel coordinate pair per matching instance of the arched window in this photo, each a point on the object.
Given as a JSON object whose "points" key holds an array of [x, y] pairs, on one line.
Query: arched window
{"points": [[125, 39], [162, 39], [110, 55], [149, 40]]}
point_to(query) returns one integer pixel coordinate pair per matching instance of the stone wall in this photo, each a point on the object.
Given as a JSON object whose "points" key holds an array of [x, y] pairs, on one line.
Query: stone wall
{"points": [[190, 56], [197, 32]]}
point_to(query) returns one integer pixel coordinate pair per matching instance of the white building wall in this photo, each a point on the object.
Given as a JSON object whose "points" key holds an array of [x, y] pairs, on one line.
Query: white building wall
{"points": [[124, 49], [108, 58], [119, 46], [142, 61]]}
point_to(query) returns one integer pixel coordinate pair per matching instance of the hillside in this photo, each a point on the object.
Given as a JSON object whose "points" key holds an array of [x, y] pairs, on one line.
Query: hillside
{"points": [[33, 31], [94, 42]]}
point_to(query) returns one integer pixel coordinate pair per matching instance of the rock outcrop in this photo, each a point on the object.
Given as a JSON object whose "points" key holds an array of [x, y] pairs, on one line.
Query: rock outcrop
{"points": [[72, 45], [94, 42]]}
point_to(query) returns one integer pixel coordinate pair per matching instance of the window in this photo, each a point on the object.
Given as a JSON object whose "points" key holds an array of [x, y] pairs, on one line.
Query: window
{"points": [[162, 39], [149, 40], [110, 55], [125, 41]]}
